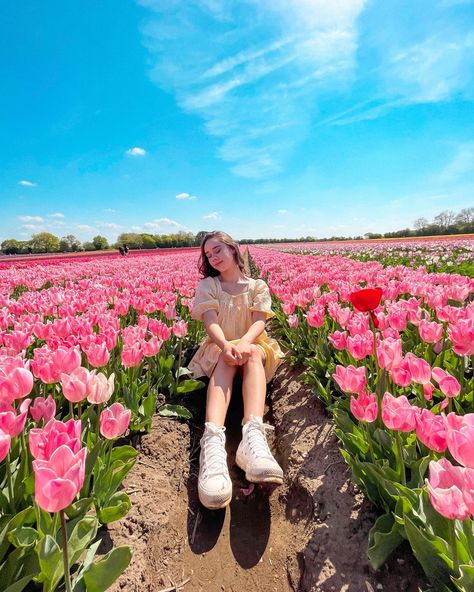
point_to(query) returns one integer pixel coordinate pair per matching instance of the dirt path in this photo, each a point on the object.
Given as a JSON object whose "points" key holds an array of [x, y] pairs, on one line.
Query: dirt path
{"points": [[308, 535]]}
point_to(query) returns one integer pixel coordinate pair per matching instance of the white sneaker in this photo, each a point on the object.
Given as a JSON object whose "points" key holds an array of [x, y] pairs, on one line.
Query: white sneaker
{"points": [[214, 484], [253, 455]]}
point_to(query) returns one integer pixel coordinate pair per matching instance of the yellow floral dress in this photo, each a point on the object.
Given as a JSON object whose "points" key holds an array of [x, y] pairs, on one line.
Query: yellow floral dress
{"points": [[234, 315]]}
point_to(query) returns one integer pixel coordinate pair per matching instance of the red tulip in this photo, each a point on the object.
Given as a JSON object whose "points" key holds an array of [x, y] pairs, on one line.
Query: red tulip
{"points": [[366, 300]]}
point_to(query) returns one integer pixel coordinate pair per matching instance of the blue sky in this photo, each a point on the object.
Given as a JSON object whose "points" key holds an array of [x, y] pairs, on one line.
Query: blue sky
{"points": [[263, 118]]}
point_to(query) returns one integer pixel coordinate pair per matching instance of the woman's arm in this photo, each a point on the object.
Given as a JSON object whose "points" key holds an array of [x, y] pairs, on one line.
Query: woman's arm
{"points": [[252, 334], [232, 356]]}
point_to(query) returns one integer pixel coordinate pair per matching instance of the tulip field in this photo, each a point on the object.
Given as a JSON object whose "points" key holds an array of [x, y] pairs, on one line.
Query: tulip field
{"points": [[92, 348]]}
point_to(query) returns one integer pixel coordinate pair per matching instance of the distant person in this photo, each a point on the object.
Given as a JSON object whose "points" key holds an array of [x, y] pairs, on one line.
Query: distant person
{"points": [[121, 251], [125, 249], [234, 309]]}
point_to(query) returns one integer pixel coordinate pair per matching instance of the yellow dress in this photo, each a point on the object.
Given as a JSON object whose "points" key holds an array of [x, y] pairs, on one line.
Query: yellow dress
{"points": [[234, 315]]}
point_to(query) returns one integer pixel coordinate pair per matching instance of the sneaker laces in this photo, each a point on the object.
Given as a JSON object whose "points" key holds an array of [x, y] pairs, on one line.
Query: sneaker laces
{"points": [[213, 447], [257, 438]]}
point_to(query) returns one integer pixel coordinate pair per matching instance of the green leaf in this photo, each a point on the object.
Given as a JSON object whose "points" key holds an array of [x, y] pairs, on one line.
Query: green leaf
{"points": [[149, 404], [50, 559], [465, 583], [123, 453], [23, 536], [7, 523], [79, 508], [101, 575], [81, 536], [188, 386], [175, 411], [118, 506], [19, 585], [433, 555], [384, 537]]}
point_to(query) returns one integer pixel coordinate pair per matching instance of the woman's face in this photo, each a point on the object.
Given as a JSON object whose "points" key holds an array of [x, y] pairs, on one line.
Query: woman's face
{"points": [[219, 255]]}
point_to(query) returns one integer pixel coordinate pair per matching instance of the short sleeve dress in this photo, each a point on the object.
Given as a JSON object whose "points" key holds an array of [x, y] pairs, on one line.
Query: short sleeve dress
{"points": [[234, 315]]}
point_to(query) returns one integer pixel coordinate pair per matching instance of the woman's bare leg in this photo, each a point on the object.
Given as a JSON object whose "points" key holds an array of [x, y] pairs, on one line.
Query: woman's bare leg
{"points": [[219, 392], [254, 384]]}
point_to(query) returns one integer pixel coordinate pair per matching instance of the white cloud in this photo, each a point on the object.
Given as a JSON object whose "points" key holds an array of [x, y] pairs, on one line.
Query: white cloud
{"points": [[27, 183], [110, 210], [136, 151], [212, 216], [255, 87], [107, 225], [56, 215], [86, 227], [462, 162], [185, 196], [34, 227], [31, 218], [164, 223], [282, 212]]}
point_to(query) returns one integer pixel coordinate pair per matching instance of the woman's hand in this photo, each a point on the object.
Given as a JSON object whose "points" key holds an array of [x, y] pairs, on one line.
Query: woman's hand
{"points": [[232, 357], [244, 349]]}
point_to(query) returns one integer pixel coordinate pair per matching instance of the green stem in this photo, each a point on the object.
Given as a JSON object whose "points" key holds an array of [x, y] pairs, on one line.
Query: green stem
{"points": [[401, 464], [11, 501], [179, 367], [452, 541], [67, 575], [369, 440]]}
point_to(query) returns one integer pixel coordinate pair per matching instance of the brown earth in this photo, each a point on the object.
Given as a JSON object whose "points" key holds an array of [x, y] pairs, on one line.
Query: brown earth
{"points": [[309, 535]]}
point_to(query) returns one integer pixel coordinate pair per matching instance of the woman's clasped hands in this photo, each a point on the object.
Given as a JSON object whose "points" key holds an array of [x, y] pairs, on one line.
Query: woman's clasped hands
{"points": [[237, 354]]}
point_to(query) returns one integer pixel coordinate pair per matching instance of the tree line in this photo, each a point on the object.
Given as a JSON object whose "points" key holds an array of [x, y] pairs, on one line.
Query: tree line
{"points": [[446, 222]]}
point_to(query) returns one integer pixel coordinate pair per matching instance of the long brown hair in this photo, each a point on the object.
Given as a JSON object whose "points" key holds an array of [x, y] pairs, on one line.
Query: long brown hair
{"points": [[205, 268]]}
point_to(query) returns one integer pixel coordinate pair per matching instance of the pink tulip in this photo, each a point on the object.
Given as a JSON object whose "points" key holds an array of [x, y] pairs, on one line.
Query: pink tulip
{"points": [[338, 339], [151, 347], [159, 329], [428, 391], [364, 407], [461, 335], [431, 430], [100, 388], [43, 441], [293, 321], [350, 379], [389, 353], [430, 332], [361, 345], [5, 441], [66, 359], [11, 423], [132, 356], [420, 369], [288, 308], [15, 383], [180, 328], [448, 385], [114, 421], [59, 479], [460, 437], [44, 409], [17, 340], [97, 355], [445, 488], [76, 385], [398, 414], [315, 316], [401, 375]]}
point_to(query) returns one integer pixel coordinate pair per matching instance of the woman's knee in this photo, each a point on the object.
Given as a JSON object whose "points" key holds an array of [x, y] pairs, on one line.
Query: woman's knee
{"points": [[256, 355]]}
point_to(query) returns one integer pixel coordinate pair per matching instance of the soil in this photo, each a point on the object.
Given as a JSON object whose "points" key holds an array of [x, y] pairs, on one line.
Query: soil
{"points": [[309, 535]]}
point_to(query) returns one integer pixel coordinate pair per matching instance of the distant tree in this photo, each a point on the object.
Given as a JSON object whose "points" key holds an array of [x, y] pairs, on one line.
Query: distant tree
{"points": [[148, 241], [420, 223], [88, 246], [11, 246], [44, 242], [199, 236], [445, 218], [100, 243], [69, 243], [465, 216], [133, 240]]}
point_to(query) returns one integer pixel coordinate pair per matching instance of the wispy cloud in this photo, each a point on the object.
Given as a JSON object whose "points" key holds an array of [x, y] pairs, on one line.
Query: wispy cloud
{"points": [[461, 163], [164, 224], [185, 196], [254, 86], [27, 183], [30, 218], [110, 225], [56, 215], [212, 216], [34, 227], [136, 151]]}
